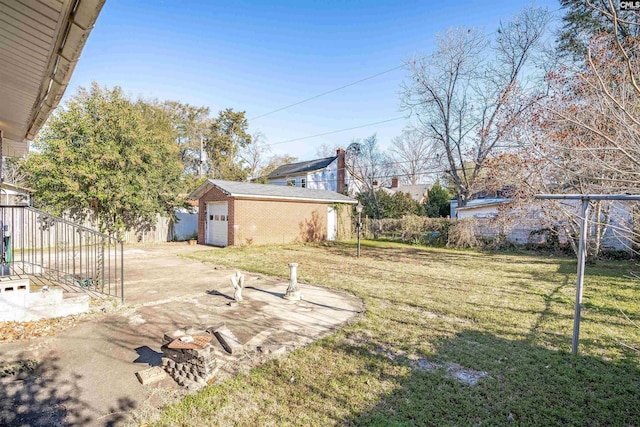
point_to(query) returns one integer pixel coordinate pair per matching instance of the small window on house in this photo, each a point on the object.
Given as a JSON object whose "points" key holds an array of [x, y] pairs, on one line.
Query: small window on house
{"points": [[291, 182], [303, 182], [217, 218], [210, 217]]}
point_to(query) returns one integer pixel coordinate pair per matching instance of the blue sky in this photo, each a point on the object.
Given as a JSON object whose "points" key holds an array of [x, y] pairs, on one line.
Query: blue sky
{"points": [[259, 56]]}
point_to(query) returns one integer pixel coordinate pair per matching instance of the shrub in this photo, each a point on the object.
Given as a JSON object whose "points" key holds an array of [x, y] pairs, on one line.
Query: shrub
{"points": [[462, 234], [409, 229]]}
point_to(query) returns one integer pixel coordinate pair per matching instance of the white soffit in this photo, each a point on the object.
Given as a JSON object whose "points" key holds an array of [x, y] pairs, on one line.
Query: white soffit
{"points": [[40, 43]]}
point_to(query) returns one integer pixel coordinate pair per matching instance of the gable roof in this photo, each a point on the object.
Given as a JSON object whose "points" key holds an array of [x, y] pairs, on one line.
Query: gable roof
{"points": [[248, 190], [301, 167]]}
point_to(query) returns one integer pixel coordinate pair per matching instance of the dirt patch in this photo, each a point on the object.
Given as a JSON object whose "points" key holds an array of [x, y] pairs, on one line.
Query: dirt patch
{"points": [[23, 331], [453, 370], [19, 331]]}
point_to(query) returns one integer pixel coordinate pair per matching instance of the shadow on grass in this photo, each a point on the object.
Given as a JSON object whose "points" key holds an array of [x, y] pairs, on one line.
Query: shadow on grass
{"points": [[524, 384]]}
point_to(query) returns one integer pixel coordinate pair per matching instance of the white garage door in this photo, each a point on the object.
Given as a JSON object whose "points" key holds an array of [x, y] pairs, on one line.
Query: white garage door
{"points": [[217, 220]]}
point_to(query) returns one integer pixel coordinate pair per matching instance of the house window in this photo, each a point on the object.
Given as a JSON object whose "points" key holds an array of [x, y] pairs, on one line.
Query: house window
{"points": [[303, 182], [291, 182]]}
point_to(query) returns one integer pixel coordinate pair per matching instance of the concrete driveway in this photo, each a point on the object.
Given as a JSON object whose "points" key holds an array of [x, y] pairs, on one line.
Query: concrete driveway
{"points": [[86, 375]]}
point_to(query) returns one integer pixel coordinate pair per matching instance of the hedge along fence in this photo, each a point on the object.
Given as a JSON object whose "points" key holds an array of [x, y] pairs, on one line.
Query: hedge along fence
{"points": [[489, 233], [464, 233], [410, 229]]}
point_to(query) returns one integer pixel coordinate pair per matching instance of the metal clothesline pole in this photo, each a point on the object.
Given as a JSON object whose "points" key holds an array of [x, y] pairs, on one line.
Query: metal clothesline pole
{"points": [[582, 256], [582, 246]]}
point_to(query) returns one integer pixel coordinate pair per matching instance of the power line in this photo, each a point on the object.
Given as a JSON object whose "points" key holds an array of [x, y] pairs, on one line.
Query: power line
{"points": [[327, 92], [336, 131], [395, 175], [353, 83]]}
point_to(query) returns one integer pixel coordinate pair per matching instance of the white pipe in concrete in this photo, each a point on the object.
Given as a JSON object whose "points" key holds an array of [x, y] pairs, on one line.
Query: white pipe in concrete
{"points": [[293, 291]]}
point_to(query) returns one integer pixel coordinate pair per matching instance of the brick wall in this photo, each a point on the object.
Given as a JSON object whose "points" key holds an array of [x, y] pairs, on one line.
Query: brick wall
{"points": [[267, 221], [273, 221]]}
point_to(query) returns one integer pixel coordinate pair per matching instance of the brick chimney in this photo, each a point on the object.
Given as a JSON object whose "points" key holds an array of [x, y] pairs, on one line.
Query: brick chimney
{"points": [[341, 171], [395, 182]]}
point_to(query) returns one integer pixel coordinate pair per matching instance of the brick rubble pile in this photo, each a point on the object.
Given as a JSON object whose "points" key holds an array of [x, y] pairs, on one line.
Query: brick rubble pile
{"points": [[189, 365]]}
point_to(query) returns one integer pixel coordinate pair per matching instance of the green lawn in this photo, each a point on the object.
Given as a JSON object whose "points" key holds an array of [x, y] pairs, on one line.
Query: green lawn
{"points": [[510, 316]]}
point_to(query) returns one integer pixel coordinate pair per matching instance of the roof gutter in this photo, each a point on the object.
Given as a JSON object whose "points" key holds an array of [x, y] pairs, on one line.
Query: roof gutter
{"points": [[294, 175], [78, 25], [293, 199], [486, 205], [207, 185]]}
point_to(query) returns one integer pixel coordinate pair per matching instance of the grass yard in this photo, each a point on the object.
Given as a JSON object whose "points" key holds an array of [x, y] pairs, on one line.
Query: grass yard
{"points": [[433, 314]]}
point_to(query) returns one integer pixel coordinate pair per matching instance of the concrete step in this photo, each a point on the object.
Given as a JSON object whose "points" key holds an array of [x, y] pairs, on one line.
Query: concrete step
{"points": [[13, 286], [21, 306]]}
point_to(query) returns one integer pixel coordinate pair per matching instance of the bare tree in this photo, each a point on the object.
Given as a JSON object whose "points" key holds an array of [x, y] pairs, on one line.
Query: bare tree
{"points": [[191, 125], [413, 154], [366, 162], [272, 163], [253, 156], [585, 137], [469, 95], [327, 150]]}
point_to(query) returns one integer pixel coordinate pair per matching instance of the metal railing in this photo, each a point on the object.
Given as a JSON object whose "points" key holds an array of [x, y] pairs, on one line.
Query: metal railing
{"points": [[47, 248]]}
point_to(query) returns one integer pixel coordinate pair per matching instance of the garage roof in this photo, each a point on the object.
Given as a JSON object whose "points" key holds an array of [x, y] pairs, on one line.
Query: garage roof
{"points": [[40, 43], [247, 190]]}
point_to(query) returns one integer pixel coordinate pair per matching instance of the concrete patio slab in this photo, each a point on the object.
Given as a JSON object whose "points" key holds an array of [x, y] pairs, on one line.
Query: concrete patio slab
{"points": [[86, 375]]}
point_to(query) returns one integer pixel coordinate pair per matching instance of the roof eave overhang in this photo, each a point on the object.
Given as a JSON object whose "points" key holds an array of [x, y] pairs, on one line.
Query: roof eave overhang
{"points": [[291, 199], [73, 23], [74, 31], [294, 174], [207, 186], [203, 189], [487, 205]]}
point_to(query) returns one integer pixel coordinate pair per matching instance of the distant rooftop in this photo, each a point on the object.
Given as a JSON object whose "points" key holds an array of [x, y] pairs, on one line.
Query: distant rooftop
{"points": [[301, 167], [417, 192]]}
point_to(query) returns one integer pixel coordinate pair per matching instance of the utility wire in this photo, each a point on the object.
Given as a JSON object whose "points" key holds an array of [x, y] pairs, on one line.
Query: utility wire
{"points": [[336, 131], [327, 92], [395, 175], [354, 83]]}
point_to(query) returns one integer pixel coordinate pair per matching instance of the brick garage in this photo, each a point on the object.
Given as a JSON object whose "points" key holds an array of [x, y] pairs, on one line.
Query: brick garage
{"points": [[240, 213]]}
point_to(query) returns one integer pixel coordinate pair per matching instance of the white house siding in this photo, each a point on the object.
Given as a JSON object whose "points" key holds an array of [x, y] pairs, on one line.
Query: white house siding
{"points": [[618, 235], [481, 212], [283, 181], [324, 179]]}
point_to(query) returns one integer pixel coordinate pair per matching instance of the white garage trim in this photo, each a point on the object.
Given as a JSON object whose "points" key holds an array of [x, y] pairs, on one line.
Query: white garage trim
{"points": [[217, 224], [332, 223]]}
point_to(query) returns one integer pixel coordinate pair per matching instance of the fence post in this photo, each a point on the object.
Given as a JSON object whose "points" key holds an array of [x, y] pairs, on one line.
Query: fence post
{"points": [[122, 271]]}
